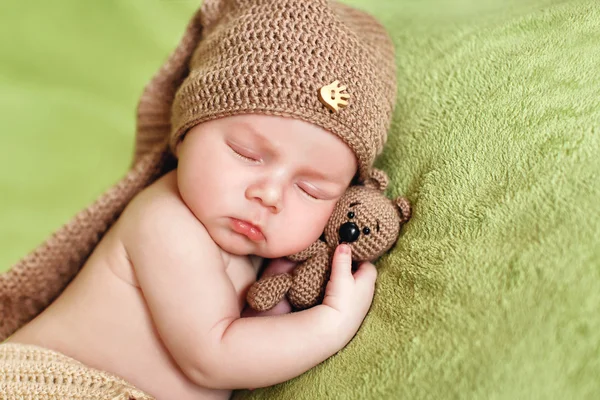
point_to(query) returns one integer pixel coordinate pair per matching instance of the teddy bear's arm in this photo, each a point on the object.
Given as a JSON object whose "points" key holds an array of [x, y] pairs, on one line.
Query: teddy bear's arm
{"points": [[315, 248], [267, 292], [309, 281]]}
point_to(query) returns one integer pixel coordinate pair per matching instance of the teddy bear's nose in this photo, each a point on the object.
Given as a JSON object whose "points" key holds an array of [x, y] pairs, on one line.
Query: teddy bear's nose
{"points": [[349, 232]]}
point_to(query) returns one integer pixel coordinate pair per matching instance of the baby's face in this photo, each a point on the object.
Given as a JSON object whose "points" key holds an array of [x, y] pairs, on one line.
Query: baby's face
{"points": [[280, 175]]}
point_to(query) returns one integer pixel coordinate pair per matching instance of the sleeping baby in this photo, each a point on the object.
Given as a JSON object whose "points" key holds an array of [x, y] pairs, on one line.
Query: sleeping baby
{"points": [[257, 124]]}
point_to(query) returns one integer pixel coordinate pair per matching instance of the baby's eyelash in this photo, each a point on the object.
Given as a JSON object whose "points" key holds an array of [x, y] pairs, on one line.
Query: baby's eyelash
{"points": [[243, 157], [308, 194]]}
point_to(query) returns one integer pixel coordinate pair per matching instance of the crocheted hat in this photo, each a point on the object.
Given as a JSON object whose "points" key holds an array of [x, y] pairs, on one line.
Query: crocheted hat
{"points": [[317, 60], [294, 58]]}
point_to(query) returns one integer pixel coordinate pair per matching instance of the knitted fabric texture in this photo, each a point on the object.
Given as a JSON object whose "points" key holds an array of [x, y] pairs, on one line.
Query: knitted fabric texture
{"points": [[375, 217], [273, 57], [304, 286], [269, 292], [310, 280], [32, 372]]}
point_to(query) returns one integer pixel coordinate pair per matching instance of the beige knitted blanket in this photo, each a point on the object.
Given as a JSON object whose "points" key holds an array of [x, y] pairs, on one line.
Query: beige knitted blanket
{"points": [[32, 372]]}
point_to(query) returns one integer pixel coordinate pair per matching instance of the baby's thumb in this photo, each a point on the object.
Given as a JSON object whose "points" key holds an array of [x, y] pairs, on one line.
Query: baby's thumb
{"points": [[341, 266], [340, 284]]}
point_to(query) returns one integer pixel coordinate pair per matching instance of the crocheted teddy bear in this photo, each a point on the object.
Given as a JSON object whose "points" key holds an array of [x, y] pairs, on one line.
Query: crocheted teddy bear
{"points": [[364, 218]]}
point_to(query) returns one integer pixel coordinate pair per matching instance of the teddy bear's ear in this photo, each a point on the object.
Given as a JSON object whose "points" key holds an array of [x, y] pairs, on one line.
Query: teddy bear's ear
{"points": [[404, 207], [378, 180]]}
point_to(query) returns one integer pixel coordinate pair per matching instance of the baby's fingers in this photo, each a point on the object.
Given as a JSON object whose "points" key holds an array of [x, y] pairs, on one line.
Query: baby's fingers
{"points": [[341, 283], [341, 266], [366, 274], [365, 282]]}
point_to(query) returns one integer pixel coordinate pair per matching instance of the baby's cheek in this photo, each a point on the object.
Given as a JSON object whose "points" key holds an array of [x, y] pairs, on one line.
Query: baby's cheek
{"points": [[313, 222], [299, 226]]}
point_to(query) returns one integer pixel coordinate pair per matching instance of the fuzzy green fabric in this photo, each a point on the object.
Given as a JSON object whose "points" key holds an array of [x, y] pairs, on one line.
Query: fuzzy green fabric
{"points": [[493, 290]]}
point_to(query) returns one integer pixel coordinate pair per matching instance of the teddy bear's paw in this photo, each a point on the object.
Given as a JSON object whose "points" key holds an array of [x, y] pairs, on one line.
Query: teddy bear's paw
{"points": [[310, 279], [306, 293], [300, 299], [266, 293]]}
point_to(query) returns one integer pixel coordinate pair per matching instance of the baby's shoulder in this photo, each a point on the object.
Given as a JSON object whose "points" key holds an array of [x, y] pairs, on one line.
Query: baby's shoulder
{"points": [[158, 210], [159, 200]]}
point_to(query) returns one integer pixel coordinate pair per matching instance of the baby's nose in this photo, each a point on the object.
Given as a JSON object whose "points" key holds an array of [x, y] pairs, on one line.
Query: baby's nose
{"points": [[271, 197], [349, 232], [268, 194]]}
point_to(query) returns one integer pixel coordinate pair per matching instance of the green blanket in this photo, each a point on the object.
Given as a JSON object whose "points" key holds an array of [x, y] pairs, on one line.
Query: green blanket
{"points": [[493, 290]]}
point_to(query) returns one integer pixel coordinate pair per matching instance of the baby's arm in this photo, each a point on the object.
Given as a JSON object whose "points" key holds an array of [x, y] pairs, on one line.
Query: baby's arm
{"points": [[195, 309]]}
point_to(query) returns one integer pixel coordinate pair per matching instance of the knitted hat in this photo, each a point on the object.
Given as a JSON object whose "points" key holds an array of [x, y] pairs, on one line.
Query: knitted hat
{"points": [[316, 60], [275, 57]]}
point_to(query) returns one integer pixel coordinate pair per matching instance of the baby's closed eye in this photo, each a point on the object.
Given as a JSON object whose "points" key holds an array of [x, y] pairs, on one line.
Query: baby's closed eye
{"points": [[310, 191], [245, 154]]}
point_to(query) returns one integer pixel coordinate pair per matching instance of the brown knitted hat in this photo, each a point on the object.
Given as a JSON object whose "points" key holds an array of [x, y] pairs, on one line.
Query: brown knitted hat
{"points": [[285, 57], [279, 57]]}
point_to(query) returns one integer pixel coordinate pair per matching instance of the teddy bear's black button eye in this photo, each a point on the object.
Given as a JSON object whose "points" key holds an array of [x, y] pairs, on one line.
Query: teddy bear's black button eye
{"points": [[350, 214], [366, 230]]}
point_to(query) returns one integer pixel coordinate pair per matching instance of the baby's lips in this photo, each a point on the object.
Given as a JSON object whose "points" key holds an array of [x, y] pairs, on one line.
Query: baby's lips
{"points": [[247, 229]]}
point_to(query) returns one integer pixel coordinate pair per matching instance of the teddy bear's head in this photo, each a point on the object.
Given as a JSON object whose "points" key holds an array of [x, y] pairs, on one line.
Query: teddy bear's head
{"points": [[367, 220]]}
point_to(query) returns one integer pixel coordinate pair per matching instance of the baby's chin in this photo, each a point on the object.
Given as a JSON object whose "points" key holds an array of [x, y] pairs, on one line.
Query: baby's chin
{"points": [[240, 245], [236, 244]]}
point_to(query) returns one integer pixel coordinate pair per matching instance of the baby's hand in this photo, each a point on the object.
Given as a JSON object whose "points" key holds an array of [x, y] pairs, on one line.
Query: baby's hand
{"points": [[348, 295]]}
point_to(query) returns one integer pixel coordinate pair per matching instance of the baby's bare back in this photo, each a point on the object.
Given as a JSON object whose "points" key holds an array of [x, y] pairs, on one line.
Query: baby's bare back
{"points": [[102, 320]]}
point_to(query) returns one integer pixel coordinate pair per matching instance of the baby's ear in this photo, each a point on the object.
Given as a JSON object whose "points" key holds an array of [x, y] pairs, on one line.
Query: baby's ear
{"points": [[378, 180]]}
